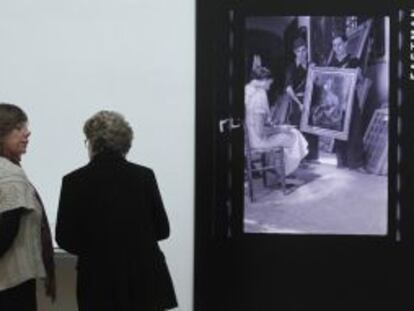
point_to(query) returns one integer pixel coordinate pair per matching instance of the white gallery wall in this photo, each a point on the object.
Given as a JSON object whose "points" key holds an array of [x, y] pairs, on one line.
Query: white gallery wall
{"points": [[62, 61]]}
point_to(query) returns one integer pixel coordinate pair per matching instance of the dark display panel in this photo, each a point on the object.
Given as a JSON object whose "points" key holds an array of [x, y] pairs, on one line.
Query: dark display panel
{"points": [[258, 253]]}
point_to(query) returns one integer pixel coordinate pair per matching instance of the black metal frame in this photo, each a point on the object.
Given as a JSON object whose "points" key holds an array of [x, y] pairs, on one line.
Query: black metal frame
{"points": [[237, 271]]}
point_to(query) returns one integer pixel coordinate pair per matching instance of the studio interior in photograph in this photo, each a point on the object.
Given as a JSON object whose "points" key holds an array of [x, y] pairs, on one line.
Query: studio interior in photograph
{"points": [[341, 110]]}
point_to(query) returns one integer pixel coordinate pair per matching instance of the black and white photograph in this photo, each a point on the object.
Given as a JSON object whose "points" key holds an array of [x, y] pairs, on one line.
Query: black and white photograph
{"points": [[304, 155], [316, 101]]}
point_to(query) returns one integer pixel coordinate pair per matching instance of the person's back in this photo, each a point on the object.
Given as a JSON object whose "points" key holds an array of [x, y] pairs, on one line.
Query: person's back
{"points": [[111, 215], [114, 199]]}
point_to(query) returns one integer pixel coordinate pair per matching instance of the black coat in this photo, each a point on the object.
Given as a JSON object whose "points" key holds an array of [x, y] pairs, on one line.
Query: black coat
{"points": [[111, 215]]}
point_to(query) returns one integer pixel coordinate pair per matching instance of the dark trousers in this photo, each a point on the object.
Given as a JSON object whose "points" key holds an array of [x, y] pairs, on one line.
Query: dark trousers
{"points": [[19, 298], [313, 146], [350, 153]]}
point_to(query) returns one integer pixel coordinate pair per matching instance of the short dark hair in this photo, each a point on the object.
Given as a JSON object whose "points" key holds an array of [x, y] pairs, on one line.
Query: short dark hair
{"points": [[299, 41], [339, 34], [260, 73], [11, 116]]}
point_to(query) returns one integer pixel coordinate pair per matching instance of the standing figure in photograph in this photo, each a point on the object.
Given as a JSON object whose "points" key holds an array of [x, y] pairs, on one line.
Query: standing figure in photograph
{"points": [[295, 83], [26, 249], [262, 132], [111, 216], [350, 153]]}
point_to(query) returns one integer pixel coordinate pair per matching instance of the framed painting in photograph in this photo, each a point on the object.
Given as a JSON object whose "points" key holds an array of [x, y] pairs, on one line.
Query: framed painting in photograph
{"points": [[329, 95], [357, 39], [376, 142]]}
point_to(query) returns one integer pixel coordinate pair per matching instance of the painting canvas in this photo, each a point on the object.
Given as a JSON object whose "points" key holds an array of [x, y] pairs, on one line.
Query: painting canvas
{"points": [[329, 96], [357, 39], [376, 142]]}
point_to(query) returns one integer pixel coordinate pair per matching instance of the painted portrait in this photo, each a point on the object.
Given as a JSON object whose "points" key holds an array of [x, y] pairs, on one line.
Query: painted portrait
{"points": [[329, 95]]}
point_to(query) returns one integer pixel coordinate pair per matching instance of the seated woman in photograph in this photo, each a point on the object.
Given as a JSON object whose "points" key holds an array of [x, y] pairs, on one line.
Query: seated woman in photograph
{"points": [[111, 216], [262, 133], [328, 112], [26, 250]]}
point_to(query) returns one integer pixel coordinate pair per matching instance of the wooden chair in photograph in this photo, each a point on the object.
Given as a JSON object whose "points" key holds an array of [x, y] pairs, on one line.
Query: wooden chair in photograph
{"points": [[255, 163]]}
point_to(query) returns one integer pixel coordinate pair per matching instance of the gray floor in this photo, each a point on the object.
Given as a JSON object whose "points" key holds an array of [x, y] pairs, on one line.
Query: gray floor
{"points": [[322, 200]]}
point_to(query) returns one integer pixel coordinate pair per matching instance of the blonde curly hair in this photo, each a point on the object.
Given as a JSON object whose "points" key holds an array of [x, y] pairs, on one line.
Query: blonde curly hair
{"points": [[108, 131]]}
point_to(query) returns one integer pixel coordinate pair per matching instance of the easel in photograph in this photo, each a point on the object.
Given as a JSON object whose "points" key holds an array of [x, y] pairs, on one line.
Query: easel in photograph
{"points": [[376, 143]]}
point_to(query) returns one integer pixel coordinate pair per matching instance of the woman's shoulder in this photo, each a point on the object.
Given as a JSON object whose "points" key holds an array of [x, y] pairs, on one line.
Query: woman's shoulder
{"points": [[139, 168], [254, 93], [8, 169], [129, 170], [76, 173]]}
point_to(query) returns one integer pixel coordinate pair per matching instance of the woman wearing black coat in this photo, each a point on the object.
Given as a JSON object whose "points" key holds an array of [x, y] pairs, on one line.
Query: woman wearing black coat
{"points": [[111, 216]]}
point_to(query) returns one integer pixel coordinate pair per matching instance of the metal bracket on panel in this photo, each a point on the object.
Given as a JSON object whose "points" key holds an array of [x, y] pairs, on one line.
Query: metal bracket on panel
{"points": [[229, 124]]}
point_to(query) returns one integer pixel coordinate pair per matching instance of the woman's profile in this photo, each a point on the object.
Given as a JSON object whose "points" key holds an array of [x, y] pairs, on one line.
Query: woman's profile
{"points": [[26, 250]]}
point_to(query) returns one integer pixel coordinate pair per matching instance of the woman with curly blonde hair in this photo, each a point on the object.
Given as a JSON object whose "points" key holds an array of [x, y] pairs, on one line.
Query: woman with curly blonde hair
{"points": [[111, 216]]}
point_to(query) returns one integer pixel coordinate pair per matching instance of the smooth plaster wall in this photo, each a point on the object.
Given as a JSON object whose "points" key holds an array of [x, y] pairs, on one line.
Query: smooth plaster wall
{"points": [[62, 61]]}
